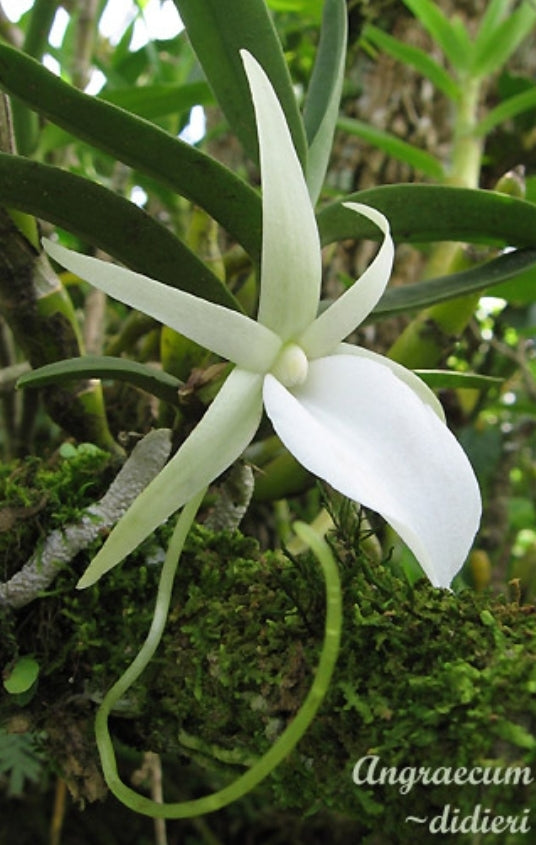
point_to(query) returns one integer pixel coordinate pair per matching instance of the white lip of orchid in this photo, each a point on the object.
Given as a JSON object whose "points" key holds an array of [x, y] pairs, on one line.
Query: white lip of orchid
{"points": [[331, 403]]}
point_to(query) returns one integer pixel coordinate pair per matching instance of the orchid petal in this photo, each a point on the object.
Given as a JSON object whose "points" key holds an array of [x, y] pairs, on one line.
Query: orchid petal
{"points": [[412, 380], [219, 439], [291, 266], [350, 309], [227, 333], [380, 445]]}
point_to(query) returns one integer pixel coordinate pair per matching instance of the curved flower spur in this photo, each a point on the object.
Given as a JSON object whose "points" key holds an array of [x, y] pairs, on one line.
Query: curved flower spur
{"points": [[361, 422]]}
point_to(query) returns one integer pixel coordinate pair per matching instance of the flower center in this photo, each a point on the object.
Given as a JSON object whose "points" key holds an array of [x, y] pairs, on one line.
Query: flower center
{"points": [[291, 366]]}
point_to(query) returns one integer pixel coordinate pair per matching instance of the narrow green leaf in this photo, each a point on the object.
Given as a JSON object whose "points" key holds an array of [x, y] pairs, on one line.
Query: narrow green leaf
{"points": [[25, 124], [393, 146], [517, 104], [424, 213], [22, 676], [311, 8], [493, 49], [491, 19], [142, 145], [448, 380], [152, 101], [107, 221], [218, 31], [444, 33], [415, 57], [160, 384], [519, 291], [324, 93], [441, 289], [39, 26]]}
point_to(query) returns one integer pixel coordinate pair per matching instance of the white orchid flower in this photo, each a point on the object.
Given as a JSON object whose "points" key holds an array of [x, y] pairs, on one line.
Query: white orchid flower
{"points": [[366, 425]]}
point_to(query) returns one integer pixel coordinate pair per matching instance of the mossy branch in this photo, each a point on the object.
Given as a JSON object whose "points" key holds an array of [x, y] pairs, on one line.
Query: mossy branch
{"points": [[37, 574]]}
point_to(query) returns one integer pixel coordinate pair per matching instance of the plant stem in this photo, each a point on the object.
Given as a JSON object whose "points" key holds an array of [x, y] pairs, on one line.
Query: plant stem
{"points": [[423, 342]]}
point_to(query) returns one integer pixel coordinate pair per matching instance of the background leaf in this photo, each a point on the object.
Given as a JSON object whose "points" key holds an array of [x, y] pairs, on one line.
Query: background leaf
{"points": [[158, 383], [441, 289], [424, 213], [179, 166], [393, 146], [451, 38], [152, 101], [413, 56], [447, 380], [324, 93], [218, 31], [108, 221], [511, 107], [499, 38]]}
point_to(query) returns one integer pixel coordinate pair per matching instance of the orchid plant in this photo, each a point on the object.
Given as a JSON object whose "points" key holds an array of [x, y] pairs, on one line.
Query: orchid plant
{"points": [[361, 422], [358, 420]]}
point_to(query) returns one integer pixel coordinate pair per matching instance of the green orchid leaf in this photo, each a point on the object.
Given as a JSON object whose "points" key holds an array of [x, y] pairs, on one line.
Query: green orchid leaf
{"points": [[35, 43], [424, 213], [393, 146], [151, 102], [443, 288], [159, 100], [22, 676], [109, 222], [445, 380], [449, 35], [217, 32], [500, 37], [138, 143], [491, 19], [519, 290], [160, 384], [324, 93], [511, 107], [413, 56], [311, 8]]}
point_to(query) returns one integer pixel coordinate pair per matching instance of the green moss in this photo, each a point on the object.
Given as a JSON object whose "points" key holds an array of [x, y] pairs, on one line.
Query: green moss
{"points": [[425, 677], [37, 496]]}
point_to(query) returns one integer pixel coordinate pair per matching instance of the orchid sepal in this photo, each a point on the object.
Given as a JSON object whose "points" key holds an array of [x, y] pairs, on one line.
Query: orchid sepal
{"points": [[227, 333], [216, 442]]}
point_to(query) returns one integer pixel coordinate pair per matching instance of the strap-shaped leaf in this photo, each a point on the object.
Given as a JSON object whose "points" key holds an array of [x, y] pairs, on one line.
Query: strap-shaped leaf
{"points": [[452, 39], [448, 380], [393, 146], [152, 101], [415, 57], [497, 40], [424, 213], [160, 384], [35, 43], [218, 31], [109, 222], [443, 288], [142, 145], [324, 93], [504, 111], [491, 19]]}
